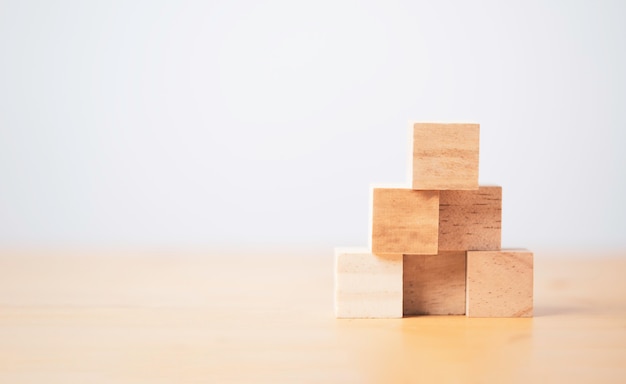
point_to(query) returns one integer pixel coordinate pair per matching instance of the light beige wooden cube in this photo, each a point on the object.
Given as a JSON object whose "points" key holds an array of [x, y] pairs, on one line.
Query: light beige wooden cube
{"points": [[434, 284], [404, 221], [500, 283], [470, 220], [367, 285], [444, 156]]}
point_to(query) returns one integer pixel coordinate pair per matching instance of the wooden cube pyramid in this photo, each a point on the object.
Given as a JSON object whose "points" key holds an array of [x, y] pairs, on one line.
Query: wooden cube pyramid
{"points": [[435, 245]]}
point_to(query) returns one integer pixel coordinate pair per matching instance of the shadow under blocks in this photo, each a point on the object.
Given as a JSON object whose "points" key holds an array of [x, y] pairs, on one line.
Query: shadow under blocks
{"points": [[435, 243]]}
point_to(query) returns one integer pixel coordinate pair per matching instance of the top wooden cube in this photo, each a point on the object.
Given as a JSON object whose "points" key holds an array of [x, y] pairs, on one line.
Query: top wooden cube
{"points": [[444, 156]]}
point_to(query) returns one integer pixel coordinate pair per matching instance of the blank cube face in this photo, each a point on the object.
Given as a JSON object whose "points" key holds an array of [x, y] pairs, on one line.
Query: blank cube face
{"points": [[444, 156], [404, 221], [366, 285], [434, 284], [499, 284], [470, 220]]}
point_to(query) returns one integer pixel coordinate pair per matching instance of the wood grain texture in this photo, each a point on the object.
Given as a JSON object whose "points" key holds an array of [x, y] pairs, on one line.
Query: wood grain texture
{"points": [[444, 156], [367, 285], [404, 221], [434, 284], [470, 220], [500, 283]]}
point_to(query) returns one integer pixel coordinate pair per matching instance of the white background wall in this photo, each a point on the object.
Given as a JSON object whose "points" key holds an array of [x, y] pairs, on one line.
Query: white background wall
{"points": [[190, 123]]}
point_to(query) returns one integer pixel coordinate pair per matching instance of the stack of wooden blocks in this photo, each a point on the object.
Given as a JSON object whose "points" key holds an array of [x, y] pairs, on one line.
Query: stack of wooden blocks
{"points": [[435, 246]]}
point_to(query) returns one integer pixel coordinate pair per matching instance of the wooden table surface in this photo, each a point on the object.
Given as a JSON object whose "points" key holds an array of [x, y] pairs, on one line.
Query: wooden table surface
{"points": [[267, 317]]}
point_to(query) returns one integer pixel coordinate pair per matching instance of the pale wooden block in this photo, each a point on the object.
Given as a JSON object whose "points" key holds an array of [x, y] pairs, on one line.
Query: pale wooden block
{"points": [[500, 283], [367, 285], [434, 284], [444, 156], [404, 221], [470, 220]]}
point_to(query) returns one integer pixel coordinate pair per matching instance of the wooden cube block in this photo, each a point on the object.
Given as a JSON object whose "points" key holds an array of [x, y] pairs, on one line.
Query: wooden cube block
{"points": [[444, 156], [470, 220], [367, 285], [434, 284], [499, 283], [404, 221]]}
